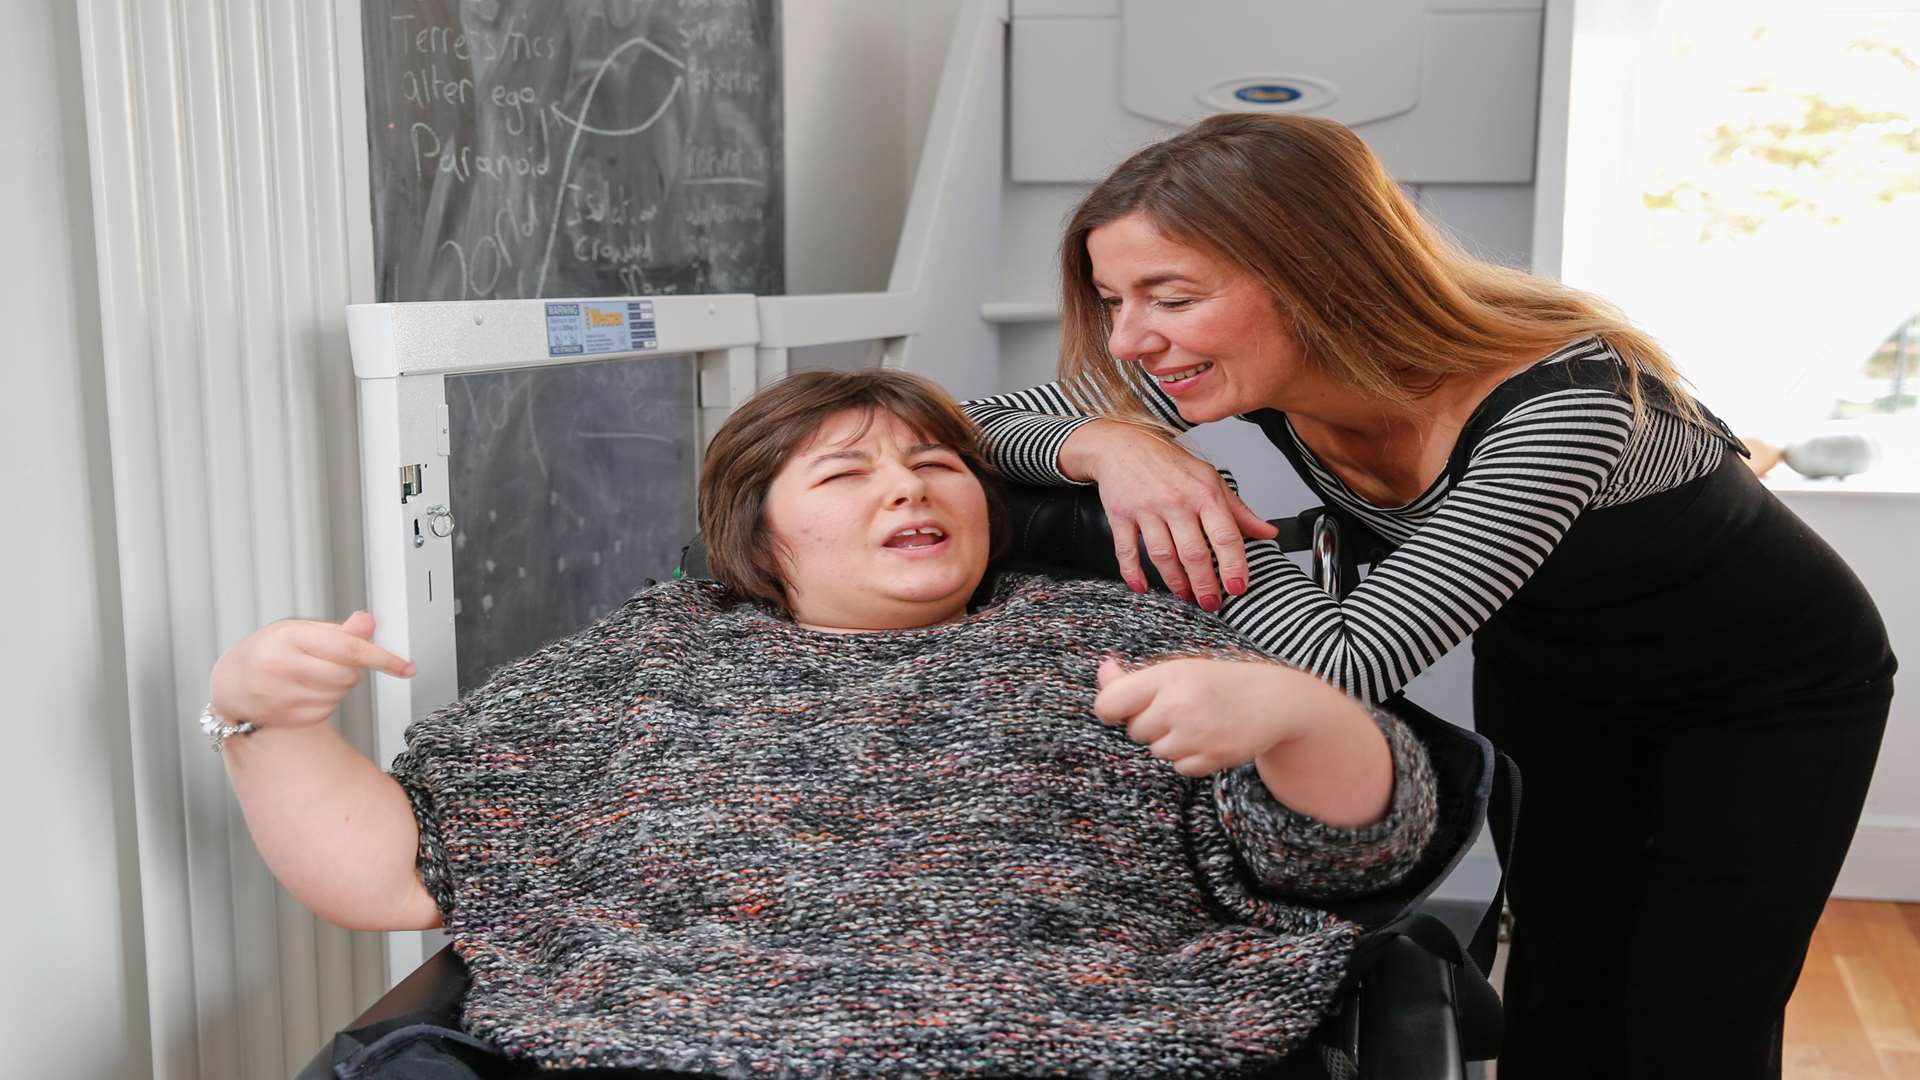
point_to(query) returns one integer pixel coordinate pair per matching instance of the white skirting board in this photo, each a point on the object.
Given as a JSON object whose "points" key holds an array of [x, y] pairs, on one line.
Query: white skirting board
{"points": [[1884, 862]]}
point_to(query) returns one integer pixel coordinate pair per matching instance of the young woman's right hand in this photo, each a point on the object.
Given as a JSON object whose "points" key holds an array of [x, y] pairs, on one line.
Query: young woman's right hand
{"points": [[296, 671], [1160, 497]]}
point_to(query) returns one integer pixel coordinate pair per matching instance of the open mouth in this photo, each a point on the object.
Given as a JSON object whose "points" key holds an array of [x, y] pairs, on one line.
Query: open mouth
{"points": [[1174, 381], [924, 536]]}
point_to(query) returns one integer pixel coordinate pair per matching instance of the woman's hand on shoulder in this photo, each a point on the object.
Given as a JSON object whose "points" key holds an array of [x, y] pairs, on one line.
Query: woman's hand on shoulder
{"points": [[296, 671], [1161, 499]]}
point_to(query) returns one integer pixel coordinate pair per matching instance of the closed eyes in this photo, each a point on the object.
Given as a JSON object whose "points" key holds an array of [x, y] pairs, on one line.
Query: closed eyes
{"points": [[935, 464], [1167, 303]]}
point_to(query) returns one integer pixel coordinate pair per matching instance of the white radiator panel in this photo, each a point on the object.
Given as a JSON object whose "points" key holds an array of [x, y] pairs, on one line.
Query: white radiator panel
{"points": [[229, 208]]}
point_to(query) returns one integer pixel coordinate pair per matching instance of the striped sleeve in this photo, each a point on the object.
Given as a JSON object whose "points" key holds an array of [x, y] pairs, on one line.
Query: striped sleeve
{"points": [[1666, 452], [1532, 474], [1023, 431]]}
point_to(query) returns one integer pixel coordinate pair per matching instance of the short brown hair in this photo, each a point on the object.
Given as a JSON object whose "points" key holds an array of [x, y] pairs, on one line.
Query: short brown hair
{"points": [[755, 442], [1377, 297]]}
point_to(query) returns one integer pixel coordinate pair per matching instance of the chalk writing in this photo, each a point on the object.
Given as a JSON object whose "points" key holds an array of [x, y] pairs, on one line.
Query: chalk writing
{"points": [[427, 86], [713, 33], [738, 80], [597, 147], [431, 152], [434, 40]]}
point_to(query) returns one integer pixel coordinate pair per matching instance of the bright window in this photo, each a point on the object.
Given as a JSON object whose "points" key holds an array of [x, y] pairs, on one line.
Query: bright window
{"points": [[1744, 180]]}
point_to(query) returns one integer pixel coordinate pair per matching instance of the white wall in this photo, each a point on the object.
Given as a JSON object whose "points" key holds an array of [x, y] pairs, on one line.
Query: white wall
{"points": [[71, 1002], [860, 79], [859, 84], [1874, 532], [849, 163], [929, 25]]}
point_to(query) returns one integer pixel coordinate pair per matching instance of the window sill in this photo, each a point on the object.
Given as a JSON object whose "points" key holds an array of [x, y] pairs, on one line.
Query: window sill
{"points": [[1885, 479]]}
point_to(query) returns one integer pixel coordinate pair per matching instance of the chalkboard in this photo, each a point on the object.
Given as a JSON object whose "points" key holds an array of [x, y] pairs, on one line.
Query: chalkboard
{"points": [[531, 148], [572, 486], [549, 148]]}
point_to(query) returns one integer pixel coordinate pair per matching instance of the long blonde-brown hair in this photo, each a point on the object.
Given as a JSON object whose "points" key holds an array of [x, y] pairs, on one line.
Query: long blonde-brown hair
{"points": [[1377, 298]]}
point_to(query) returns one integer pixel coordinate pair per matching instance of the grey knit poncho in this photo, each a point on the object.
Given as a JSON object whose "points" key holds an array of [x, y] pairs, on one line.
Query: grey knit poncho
{"points": [[696, 836]]}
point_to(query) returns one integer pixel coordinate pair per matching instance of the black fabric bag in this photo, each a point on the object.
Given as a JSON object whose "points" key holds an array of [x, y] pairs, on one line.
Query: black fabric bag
{"points": [[414, 1046]]}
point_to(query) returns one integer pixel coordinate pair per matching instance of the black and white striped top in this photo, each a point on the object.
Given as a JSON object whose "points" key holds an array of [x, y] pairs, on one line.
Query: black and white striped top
{"points": [[1552, 442]]}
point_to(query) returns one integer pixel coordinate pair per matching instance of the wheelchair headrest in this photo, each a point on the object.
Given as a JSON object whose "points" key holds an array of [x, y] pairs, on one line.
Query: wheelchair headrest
{"points": [[1060, 531], [1064, 531]]}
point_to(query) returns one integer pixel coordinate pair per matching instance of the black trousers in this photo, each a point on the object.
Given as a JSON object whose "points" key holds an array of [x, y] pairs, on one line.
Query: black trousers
{"points": [[1666, 882]]}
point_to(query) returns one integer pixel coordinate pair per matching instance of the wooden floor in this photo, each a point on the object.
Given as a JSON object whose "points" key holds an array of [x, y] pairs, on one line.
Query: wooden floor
{"points": [[1856, 1012]]}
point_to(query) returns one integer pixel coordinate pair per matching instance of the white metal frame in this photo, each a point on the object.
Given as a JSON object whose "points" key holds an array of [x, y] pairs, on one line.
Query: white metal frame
{"points": [[402, 354]]}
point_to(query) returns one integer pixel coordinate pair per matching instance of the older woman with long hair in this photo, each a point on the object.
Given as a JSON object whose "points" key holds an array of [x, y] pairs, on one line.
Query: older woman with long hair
{"points": [[1692, 683], [858, 808]]}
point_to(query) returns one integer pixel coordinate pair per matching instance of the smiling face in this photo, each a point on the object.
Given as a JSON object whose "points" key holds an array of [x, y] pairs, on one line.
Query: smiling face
{"points": [[1208, 332], [878, 528]]}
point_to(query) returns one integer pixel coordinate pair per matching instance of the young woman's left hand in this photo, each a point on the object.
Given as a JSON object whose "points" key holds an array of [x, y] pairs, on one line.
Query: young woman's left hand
{"points": [[1208, 715]]}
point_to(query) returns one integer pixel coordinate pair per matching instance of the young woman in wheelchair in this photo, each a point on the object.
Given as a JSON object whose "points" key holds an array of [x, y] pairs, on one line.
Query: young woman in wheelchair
{"points": [[860, 807]]}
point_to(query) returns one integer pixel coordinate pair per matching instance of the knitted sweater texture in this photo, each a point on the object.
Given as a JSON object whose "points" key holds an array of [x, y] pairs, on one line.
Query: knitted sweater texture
{"points": [[697, 836]]}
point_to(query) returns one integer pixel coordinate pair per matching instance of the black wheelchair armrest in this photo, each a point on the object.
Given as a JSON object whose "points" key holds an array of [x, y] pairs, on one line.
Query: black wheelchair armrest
{"points": [[1405, 1024], [430, 994], [435, 987], [1395, 1024]]}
